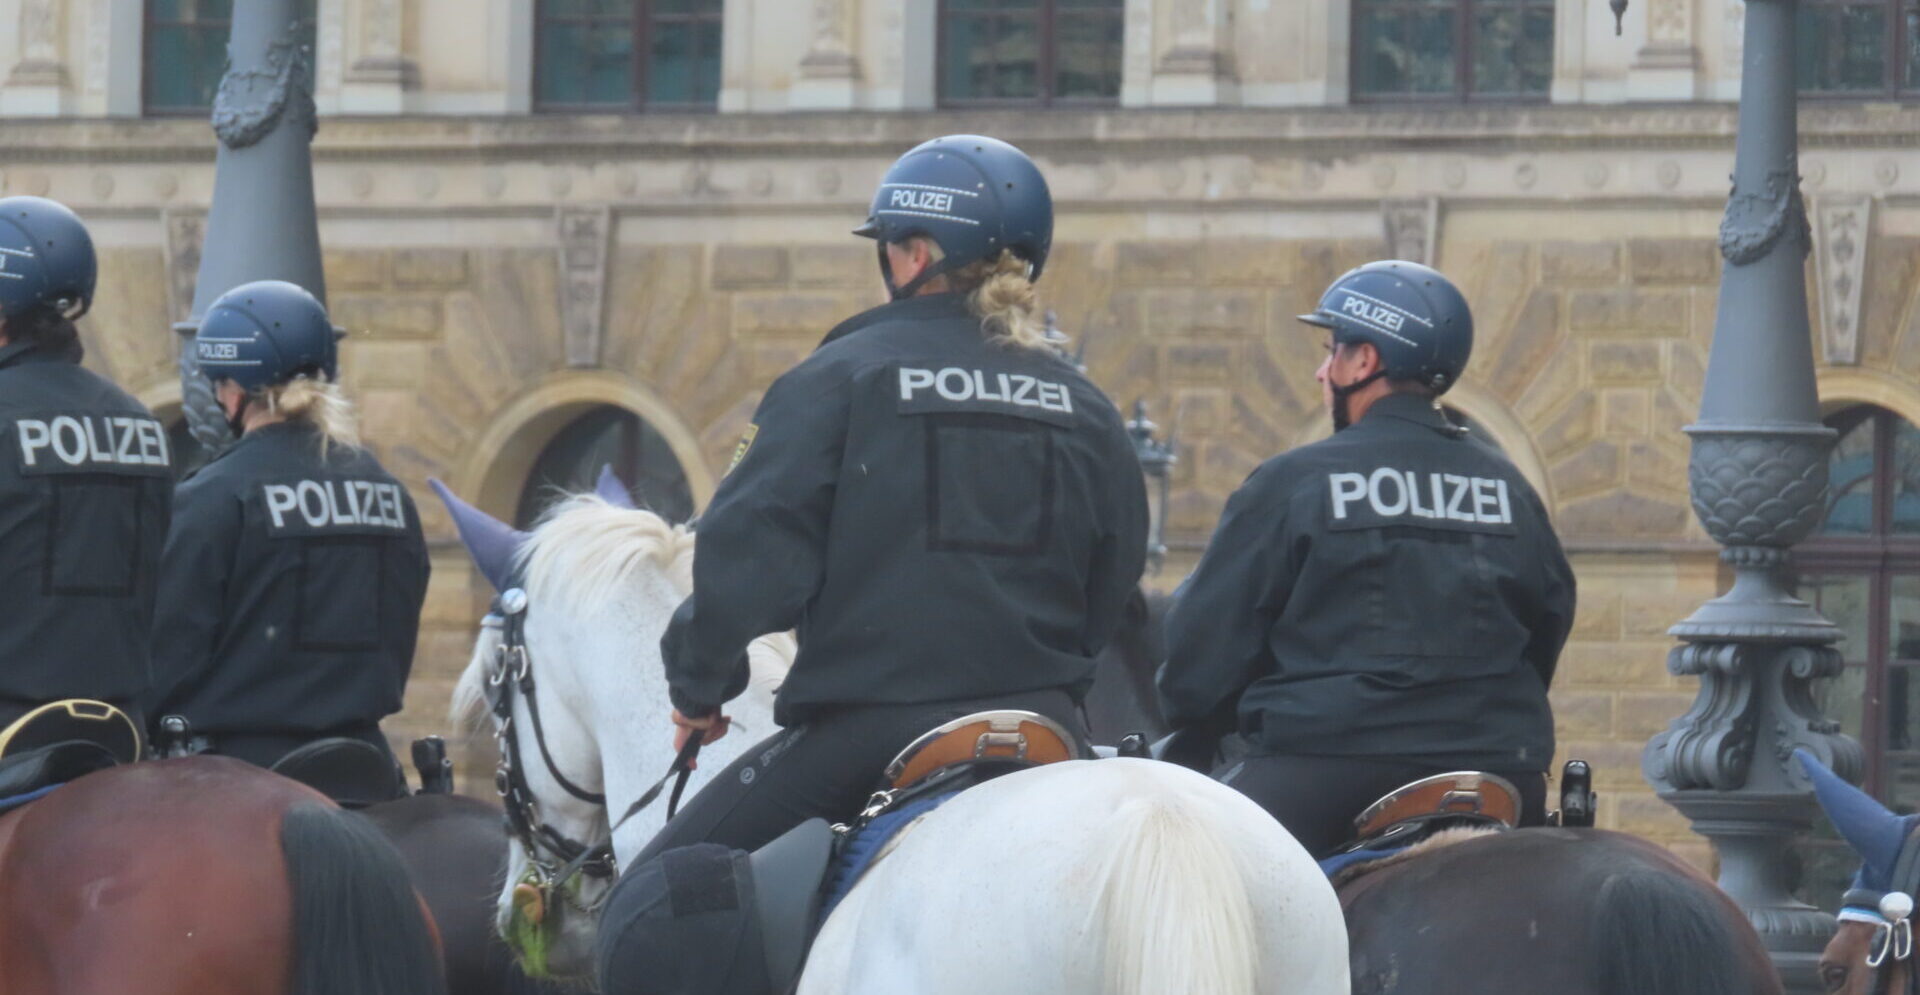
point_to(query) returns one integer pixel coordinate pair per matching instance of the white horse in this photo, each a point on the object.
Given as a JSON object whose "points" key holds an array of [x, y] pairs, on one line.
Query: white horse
{"points": [[1108, 876]]}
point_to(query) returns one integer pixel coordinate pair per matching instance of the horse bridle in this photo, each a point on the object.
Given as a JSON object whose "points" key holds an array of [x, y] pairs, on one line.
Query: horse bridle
{"points": [[553, 856], [1890, 915]]}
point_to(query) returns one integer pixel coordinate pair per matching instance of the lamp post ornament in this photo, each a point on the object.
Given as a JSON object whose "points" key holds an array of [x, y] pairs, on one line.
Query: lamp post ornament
{"points": [[262, 224], [1157, 460], [1758, 479]]}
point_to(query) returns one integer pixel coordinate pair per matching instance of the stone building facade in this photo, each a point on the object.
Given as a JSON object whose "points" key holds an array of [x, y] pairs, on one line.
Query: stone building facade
{"points": [[502, 272]]}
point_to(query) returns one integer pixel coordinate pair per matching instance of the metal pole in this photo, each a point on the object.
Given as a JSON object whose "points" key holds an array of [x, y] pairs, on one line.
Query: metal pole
{"points": [[262, 225], [1758, 477]]}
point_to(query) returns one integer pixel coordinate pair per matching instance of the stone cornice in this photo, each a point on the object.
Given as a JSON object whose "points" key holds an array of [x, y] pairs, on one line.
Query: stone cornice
{"points": [[1309, 132]]}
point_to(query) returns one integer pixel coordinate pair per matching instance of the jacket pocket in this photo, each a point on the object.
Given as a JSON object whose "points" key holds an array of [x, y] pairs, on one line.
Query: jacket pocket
{"points": [[339, 595], [1432, 605], [94, 537], [990, 484]]}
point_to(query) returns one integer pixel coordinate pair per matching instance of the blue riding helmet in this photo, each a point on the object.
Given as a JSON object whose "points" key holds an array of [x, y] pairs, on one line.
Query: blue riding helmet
{"points": [[1415, 317], [266, 332], [46, 258], [973, 196]]}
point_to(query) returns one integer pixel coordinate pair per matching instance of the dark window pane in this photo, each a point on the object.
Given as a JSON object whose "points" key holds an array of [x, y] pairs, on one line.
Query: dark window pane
{"points": [[684, 64], [1850, 482], [607, 436], [1906, 477], [1912, 81], [1903, 618], [1016, 57], [1827, 866], [1844, 600], [1404, 49], [1843, 699], [1843, 47], [586, 8], [586, 63], [685, 7], [1087, 55], [184, 64]]}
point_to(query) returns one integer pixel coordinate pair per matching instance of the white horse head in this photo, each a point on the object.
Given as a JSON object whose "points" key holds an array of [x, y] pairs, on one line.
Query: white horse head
{"points": [[1113, 876], [602, 581]]}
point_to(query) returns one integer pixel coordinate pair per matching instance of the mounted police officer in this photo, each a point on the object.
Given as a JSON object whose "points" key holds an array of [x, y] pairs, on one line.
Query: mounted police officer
{"points": [[295, 570], [1385, 604], [85, 490], [949, 513]]}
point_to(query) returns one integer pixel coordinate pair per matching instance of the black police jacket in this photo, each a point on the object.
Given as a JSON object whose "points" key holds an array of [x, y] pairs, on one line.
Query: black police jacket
{"points": [[940, 517], [292, 585], [1395, 590], [85, 488]]}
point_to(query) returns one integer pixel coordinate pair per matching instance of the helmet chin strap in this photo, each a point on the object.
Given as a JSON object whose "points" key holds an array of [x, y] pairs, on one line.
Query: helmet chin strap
{"points": [[900, 293], [1340, 394], [237, 420]]}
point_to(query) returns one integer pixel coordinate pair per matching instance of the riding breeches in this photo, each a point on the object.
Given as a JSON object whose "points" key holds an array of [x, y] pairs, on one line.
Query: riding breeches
{"points": [[827, 768], [1317, 798]]}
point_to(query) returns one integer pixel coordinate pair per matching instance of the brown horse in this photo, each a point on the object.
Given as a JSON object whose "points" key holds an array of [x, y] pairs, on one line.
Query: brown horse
{"points": [[1567, 911], [204, 876], [1844, 969]]}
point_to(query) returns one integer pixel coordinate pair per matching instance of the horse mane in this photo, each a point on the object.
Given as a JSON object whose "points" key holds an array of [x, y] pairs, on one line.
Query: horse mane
{"points": [[583, 554]]}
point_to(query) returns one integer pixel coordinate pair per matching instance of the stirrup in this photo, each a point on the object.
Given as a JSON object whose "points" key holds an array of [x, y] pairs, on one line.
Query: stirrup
{"points": [[1466, 795], [75, 718], [1009, 735]]}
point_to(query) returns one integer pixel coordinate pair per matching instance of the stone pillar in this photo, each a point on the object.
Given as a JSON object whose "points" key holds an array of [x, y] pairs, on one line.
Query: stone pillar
{"points": [[262, 224], [829, 75], [1758, 477], [37, 84], [381, 73]]}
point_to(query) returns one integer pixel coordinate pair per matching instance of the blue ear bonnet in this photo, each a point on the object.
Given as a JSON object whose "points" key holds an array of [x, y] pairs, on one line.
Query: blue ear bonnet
{"points": [[1875, 834]]}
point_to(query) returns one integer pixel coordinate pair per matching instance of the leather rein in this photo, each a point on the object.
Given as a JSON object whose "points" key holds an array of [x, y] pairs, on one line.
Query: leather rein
{"points": [[554, 856]]}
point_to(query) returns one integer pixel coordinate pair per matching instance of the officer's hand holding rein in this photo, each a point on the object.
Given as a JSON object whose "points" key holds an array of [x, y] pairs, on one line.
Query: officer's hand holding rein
{"points": [[711, 728]]}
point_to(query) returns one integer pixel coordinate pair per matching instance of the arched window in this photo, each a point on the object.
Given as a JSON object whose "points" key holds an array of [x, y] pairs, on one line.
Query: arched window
{"points": [[607, 436], [1452, 49], [1862, 571], [601, 55], [1030, 51], [1858, 47], [186, 52]]}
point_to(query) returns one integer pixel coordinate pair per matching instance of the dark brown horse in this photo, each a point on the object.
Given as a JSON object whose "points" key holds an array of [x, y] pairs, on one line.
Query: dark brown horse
{"points": [[455, 849], [204, 876], [1566, 911], [1122, 699]]}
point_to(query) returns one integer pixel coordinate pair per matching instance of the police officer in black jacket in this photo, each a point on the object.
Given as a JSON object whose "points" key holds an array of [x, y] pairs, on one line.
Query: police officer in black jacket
{"points": [[1387, 603], [949, 513], [85, 483], [295, 570]]}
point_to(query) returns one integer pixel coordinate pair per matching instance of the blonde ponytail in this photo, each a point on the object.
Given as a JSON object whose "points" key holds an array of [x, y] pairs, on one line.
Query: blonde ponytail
{"points": [[999, 291], [318, 403]]}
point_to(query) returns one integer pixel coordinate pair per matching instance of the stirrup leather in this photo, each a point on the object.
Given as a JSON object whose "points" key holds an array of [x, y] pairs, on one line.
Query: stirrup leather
{"points": [[1008, 735], [75, 718], [1467, 794]]}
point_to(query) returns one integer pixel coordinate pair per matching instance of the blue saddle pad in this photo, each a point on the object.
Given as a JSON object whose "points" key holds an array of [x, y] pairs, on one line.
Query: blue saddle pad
{"points": [[1333, 865], [9, 804], [860, 851]]}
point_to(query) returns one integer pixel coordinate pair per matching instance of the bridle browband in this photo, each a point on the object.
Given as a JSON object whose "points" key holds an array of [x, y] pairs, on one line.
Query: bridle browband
{"points": [[554, 857], [1890, 915]]}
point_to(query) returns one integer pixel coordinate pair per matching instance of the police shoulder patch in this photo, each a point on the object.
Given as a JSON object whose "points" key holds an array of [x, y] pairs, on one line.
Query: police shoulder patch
{"points": [[740, 448]]}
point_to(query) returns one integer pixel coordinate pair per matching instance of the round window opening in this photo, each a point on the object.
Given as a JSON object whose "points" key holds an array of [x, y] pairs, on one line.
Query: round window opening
{"points": [[607, 436]]}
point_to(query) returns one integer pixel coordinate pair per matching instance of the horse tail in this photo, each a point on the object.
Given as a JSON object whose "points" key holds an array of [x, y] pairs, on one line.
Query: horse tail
{"points": [[358, 926], [1177, 919], [1662, 933]]}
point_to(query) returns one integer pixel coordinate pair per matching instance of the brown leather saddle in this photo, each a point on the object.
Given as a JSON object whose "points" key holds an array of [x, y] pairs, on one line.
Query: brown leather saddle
{"points": [[968, 750], [1463, 798]]}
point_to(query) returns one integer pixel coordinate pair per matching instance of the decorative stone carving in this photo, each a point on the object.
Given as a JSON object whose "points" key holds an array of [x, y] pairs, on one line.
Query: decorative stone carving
{"points": [[1712, 744], [585, 237], [186, 230], [380, 59], [40, 30], [1841, 262], [1759, 485], [1412, 228], [1756, 220], [251, 101], [831, 54], [99, 45], [1198, 39]]}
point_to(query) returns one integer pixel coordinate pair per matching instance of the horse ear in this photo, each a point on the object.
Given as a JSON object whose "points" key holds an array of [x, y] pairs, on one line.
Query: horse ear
{"points": [[491, 542], [1875, 833], [611, 490]]}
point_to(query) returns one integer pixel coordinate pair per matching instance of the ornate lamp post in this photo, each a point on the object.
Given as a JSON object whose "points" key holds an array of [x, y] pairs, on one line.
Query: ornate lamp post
{"points": [[1156, 461], [262, 224], [1758, 477]]}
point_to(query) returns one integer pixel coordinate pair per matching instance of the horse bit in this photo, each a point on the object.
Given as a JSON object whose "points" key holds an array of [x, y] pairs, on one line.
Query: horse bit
{"points": [[1892, 920], [511, 674]]}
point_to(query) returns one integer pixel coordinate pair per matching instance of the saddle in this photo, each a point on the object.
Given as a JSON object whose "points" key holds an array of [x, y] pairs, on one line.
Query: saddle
{"points": [[352, 772], [1415, 812], [75, 719], [956, 755]]}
